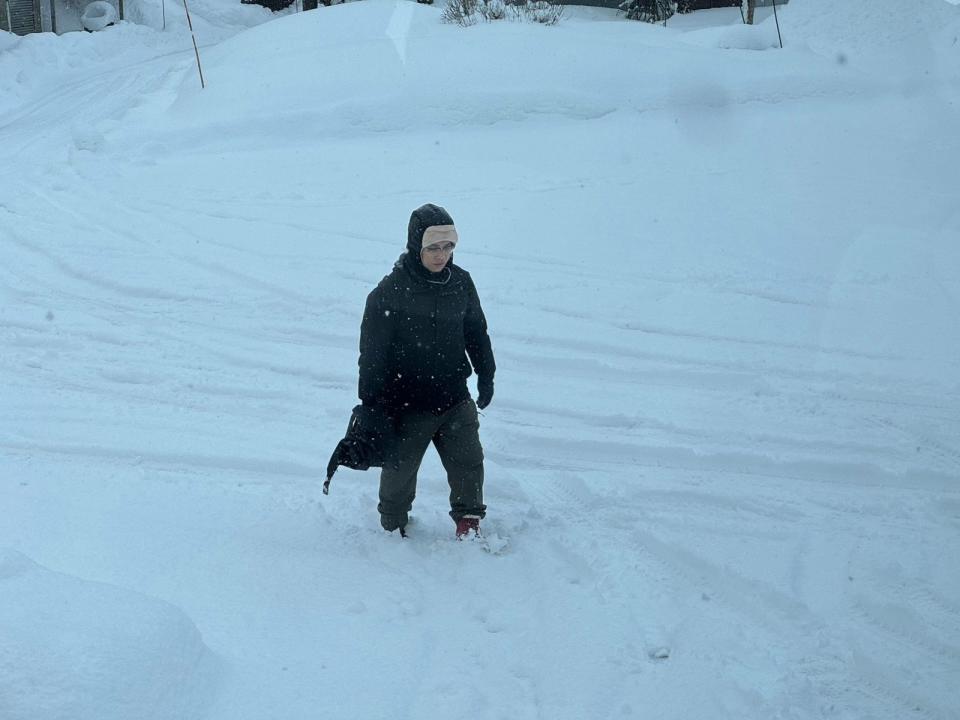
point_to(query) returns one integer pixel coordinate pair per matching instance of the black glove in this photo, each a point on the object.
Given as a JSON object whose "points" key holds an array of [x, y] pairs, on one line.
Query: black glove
{"points": [[484, 393]]}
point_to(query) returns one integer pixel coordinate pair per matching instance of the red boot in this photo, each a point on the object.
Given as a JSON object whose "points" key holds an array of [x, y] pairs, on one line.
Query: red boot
{"points": [[466, 525]]}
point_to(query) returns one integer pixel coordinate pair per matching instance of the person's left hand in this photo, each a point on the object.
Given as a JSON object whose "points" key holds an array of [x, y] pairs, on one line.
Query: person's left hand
{"points": [[484, 393]]}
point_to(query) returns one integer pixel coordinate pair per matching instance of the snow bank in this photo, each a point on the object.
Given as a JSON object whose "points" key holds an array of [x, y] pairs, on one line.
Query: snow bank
{"points": [[762, 36], [88, 651], [43, 63], [914, 46], [869, 26], [210, 17], [382, 66], [7, 40]]}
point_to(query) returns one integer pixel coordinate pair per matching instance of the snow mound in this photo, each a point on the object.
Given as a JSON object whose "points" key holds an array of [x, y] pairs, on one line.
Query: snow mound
{"points": [[913, 47], [7, 40], [41, 64], [210, 17], [75, 649], [735, 37], [98, 15], [383, 66], [864, 25]]}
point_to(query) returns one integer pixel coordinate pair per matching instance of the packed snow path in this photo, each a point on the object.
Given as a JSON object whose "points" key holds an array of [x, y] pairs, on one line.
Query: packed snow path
{"points": [[723, 446]]}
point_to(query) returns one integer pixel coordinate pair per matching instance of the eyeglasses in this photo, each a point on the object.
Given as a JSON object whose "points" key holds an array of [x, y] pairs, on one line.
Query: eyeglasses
{"points": [[444, 249]]}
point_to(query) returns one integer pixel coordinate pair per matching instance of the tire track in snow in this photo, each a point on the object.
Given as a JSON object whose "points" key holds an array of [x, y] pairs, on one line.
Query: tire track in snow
{"points": [[584, 455], [902, 623], [750, 620], [232, 465], [627, 426], [232, 277], [68, 270], [885, 623], [878, 683], [814, 645], [925, 441], [139, 381], [805, 644], [111, 217], [84, 101], [572, 346], [947, 610]]}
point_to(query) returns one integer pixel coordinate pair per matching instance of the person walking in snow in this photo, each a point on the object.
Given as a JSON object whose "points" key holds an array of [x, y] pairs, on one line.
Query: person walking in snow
{"points": [[423, 329]]}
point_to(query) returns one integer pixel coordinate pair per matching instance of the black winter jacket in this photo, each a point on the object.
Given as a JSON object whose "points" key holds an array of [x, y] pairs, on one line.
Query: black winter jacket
{"points": [[416, 338]]}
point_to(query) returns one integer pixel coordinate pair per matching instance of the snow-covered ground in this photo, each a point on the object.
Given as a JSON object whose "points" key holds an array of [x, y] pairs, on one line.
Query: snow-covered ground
{"points": [[723, 283]]}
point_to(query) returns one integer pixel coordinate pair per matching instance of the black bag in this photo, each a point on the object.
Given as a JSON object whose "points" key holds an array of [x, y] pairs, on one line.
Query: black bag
{"points": [[369, 439]]}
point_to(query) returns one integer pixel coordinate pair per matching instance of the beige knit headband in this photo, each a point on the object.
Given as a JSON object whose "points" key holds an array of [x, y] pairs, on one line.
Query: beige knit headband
{"points": [[440, 234]]}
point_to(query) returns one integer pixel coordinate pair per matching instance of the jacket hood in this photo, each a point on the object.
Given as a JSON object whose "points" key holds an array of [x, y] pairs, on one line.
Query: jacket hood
{"points": [[420, 219]]}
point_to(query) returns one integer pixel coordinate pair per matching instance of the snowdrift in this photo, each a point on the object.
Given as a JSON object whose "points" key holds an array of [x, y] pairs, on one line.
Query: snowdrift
{"points": [[88, 651], [872, 27], [381, 66], [762, 36], [43, 67], [915, 45], [7, 40]]}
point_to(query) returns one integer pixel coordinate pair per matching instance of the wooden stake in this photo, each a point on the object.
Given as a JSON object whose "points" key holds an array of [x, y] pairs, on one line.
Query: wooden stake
{"points": [[195, 50], [778, 23]]}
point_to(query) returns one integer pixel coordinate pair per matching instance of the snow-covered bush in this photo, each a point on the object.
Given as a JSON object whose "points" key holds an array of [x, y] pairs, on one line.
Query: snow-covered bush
{"points": [[543, 12], [651, 11], [493, 9], [469, 12], [461, 12], [274, 5]]}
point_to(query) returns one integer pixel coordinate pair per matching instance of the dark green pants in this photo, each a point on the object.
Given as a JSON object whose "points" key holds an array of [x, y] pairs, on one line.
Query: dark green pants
{"points": [[456, 435]]}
